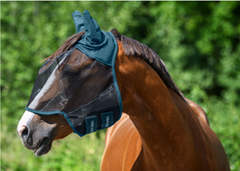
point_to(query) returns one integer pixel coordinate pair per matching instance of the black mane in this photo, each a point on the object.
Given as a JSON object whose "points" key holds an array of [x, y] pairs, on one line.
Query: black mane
{"points": [[137, 49]]}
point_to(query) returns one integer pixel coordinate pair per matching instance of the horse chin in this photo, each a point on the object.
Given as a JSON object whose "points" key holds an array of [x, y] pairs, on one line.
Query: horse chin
{"points": [[43, 148]]}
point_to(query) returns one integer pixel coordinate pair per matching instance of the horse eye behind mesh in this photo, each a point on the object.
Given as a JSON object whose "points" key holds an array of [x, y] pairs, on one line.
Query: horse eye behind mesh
{"points": [[69, 74]]}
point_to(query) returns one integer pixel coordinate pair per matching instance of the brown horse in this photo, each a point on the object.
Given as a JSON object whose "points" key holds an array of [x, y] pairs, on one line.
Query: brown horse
{"points": [[161, 130]]}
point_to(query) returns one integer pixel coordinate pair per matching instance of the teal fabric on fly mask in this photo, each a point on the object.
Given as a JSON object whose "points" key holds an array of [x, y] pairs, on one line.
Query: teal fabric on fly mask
{"points": [[91, 124], [95, 43], [107, 119]]}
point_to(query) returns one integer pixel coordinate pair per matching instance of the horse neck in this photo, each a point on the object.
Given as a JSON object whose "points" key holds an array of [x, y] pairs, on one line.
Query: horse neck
{"points": [[158, 113]]}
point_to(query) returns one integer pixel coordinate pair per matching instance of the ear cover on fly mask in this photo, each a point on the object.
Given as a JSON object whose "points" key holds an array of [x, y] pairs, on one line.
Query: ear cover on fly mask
{"points": [[101, 46], [95, 43], [78, 21], [106, 109]]}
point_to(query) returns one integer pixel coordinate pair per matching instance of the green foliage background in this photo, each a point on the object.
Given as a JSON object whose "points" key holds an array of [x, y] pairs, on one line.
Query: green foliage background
{"points": [[198, 41]]}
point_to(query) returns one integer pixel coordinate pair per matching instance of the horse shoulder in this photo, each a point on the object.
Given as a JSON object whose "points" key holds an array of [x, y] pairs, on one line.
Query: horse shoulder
{"points": [[219, 159], [123, 145], [217, 156], [209, 150]]}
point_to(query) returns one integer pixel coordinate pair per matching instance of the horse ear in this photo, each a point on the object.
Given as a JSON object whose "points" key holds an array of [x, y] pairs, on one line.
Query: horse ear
{"points": [[78, 21], [92, 30]]}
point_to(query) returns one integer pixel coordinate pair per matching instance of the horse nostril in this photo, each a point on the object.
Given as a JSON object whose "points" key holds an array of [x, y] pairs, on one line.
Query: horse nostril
{"points": [[27, 137], [24, 132]]}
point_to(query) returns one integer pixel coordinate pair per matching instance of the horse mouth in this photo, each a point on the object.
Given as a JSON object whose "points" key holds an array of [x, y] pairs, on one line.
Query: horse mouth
{"points": [[44, 147]]}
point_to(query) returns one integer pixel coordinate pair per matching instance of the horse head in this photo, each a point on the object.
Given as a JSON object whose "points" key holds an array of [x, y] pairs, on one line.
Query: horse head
{"points": [[75, 90]]}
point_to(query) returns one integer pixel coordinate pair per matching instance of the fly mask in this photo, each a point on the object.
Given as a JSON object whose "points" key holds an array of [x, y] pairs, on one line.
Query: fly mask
{"points": [[93, 115]]}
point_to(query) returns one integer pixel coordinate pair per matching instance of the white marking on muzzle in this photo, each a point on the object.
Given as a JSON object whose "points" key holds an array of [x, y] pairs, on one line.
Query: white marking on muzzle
{"points": [[26, 118]]}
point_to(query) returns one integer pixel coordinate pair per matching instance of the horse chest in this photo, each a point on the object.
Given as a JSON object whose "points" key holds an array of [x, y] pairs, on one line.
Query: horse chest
{"points": [[123, 145]]}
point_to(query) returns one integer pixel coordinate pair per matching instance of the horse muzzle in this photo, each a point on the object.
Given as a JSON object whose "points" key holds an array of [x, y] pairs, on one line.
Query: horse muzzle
{"points": [[36, 134], [39, 144]]}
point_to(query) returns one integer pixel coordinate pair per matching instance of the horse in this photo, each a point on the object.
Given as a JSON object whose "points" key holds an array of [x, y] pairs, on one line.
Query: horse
{"points": [[159, 129]]}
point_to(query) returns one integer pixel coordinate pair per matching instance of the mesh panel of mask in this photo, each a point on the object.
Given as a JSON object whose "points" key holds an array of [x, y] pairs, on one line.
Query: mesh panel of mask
{"points": [[85, 92], [45, 72], [106, 103]]}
